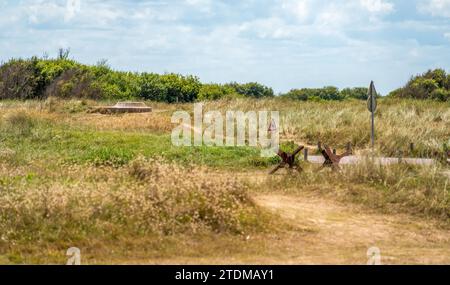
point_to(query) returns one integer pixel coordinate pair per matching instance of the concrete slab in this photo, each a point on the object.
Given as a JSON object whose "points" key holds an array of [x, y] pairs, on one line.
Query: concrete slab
{"points": [[124, 107], [379, 160]]}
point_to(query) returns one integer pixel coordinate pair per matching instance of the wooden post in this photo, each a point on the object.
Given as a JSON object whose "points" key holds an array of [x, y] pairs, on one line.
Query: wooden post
{"points": [[334, 151], [373, 130], [306, 154], [349, 147], [411, 148], [399, 154], [319, 145]]}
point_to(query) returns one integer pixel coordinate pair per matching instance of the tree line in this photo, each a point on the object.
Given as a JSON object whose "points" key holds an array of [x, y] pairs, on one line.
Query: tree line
{"points": [[39, 78]]}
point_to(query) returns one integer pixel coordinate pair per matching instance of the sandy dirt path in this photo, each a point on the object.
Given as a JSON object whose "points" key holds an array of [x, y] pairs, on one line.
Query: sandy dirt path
{"points": [[320, 231], [340, 233]]}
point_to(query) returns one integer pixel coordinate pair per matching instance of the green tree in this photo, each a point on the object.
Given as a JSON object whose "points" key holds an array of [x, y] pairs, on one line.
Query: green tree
{"points": [[297, 94], [441, 94], [359, 93], [438, 75], [252, 89], [169, 87], [211, 92], [316, 94], [19, 79], [432, 84]]}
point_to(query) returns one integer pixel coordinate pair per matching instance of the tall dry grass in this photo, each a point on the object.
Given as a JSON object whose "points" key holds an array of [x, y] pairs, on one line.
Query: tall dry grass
{"points": [[398, 122], [146, 197]]}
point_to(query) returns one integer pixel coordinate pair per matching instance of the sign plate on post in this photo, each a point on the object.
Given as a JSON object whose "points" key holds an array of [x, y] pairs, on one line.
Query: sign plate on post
{"points": [[372, 98], [372, 106]]}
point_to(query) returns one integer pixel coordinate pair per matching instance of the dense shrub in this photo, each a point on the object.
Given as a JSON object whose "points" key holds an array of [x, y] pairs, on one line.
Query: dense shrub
{"points": [[355, 93], [50, 69], [440, 94], [447, 82], [216, 92], [251, 89], [73, 83], [63, 78], [211, 92], [66, 79], [169, 87], [19, 79], [433, 84], [117, 85], [315, 94], [297, 94]]}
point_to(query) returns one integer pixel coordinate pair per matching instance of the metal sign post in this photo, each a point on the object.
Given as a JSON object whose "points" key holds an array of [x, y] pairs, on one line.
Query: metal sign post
{"points": [[372, 106]]}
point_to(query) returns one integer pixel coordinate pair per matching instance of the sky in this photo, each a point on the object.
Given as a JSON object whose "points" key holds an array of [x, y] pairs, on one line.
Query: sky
{"points": [[284, 44]]}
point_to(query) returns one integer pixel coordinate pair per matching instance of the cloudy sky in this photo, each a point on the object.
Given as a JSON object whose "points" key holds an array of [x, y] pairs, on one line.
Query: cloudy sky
{"points": [[282, 43]]}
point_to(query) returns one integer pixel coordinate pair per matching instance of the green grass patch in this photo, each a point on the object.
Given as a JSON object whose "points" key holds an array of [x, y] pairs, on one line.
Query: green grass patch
{"points": [[45, 142]]}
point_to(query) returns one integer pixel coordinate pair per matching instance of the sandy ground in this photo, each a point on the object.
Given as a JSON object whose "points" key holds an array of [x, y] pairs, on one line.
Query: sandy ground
{"points": [[343, 231], [321, 231], [325, 231]]}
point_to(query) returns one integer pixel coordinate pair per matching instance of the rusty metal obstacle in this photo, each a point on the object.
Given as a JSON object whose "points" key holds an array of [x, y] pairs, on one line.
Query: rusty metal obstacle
{"points": [[288, 160], [331, 158]]}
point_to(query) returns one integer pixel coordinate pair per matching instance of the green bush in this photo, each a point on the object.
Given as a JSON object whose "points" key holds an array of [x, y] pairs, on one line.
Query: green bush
{"points": [[74, 83], [297, 94], [19, 79], [49, 70], [251, 89], [433, 84], [438, 75], [441, 95], [359, 93], [169, 87], [216, 92], [315, 94], [447, 82]]}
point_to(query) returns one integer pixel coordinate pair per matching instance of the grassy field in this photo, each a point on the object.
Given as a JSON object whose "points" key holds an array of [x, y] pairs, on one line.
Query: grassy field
{"points": [[116, 187]]}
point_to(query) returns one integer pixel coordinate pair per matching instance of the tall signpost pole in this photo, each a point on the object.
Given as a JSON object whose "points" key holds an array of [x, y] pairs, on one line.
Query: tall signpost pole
{"points": [[372, 106]]}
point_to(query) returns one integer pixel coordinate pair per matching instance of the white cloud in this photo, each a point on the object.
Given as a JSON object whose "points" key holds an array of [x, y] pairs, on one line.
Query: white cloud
{"points": [[377, 6], [334, 17], [447, 36], [274, 28], [72, 8], [299, 8], [437, 8], [92, 13], [204, 6], [44, 11]]}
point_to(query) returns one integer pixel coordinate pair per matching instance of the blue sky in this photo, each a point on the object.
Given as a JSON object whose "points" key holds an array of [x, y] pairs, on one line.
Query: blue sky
{"points": [[281, 43]]}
